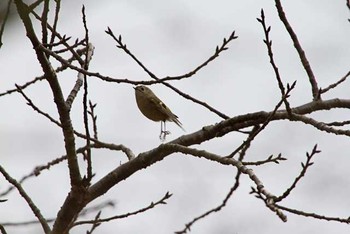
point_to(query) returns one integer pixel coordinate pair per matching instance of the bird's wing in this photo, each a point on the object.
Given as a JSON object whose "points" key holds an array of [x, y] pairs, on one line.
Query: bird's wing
{"points": [[165, 110]]}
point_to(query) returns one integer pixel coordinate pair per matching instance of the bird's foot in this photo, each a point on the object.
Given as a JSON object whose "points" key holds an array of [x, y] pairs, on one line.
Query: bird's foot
{"points": [[163, 135]]}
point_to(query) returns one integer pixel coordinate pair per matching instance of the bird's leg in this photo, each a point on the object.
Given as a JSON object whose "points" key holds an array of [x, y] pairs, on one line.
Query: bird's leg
{"points": [[163, 132]]}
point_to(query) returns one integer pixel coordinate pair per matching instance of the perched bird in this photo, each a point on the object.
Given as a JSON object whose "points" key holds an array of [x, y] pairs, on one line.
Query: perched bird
{"points": [[154, 109]]}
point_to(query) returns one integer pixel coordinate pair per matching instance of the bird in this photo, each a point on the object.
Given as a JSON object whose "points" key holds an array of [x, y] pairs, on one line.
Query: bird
{"points": [[154, 109]]}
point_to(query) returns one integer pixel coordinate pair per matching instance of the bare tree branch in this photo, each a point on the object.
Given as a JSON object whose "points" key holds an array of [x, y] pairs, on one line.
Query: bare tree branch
{"points": [[301, 175], [43, 21], [153, 76], [56, 34], [26, 197], [51, 77], [152, 205], [260, 188], [83, 213], [251, 137], [93, 118], [268, 44], [98, 145], [37, 170], [270, 159], [320, 125], [89, 53], [22, 86], [215, 209], [336, 123], [297, 45], [39, 78], [218, 50], [228, 195], [53, 46], [55, 22], [95, 223], [313, 215], [332, 86]]}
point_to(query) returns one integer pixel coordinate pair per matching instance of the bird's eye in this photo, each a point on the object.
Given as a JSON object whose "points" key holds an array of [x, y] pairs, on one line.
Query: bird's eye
{"points": [[142, 89]]}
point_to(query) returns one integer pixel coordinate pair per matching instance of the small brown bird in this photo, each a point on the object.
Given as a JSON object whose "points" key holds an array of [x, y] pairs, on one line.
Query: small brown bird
{"points": [[154, 109]]}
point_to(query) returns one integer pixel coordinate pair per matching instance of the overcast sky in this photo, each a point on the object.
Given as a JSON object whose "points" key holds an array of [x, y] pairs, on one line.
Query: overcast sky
{"points": [[172, 38]]}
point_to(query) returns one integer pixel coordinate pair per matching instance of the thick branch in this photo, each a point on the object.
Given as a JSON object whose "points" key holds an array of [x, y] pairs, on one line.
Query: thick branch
{"points": [[74, 199], [206, 133], [51, 77]]}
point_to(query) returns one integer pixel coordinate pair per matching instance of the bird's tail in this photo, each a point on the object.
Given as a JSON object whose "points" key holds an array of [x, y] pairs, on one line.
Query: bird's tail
{"points": [[178, 123]]}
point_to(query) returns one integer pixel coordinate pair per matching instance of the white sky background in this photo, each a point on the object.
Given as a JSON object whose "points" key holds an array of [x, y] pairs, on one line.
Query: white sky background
{"points": [[172, 38]]}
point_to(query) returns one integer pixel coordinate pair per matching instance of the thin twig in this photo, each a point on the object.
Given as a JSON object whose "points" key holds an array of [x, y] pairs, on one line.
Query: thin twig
{"points": [[270, 159], [216, 209], [227, 197], [74, 53], [29, 83], [216, 54], [332, 86], [267, 121], [37, 170], [305, 166], [338, 124], [95, 223], [83, 213], [97, 207], [123, 46], [320, 125], [152, 205], [31, 104], [76, 44], [268, 44], [269, 197], [88, 56], [39, 78], [301, 53], [29, 201], [109, 79], [313, 215], [55, 22], [44, 21], [25, 223], [93, 118], [98, 145]]}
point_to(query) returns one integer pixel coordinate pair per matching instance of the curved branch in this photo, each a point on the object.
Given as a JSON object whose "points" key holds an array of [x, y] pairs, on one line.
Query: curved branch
{"points": [[206, 133]]}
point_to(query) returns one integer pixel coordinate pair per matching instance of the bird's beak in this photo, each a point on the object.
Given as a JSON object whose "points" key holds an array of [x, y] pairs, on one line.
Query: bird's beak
{"points": [[134, 87]]}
